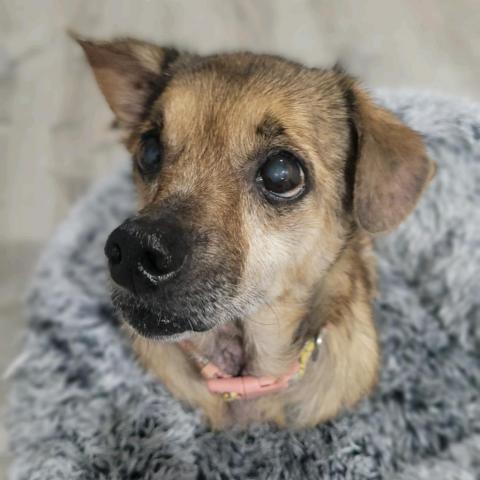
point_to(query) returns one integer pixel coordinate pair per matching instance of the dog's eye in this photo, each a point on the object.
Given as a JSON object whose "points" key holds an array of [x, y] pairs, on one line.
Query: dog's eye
{"points": [[150, 156], [281, 176]]}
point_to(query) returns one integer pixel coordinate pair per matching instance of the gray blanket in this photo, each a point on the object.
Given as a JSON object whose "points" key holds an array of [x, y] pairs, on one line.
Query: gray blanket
{"points": [[81, 407]]}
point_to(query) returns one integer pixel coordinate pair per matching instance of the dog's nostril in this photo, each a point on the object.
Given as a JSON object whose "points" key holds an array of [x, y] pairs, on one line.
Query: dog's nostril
{"points": [[114, 253], [156, 263]]}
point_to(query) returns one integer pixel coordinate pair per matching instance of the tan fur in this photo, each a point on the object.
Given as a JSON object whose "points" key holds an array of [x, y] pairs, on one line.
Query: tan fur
{"points": [[311, 262]]}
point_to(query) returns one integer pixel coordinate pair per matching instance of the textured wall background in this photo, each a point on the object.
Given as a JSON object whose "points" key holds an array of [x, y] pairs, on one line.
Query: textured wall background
{"points": [[54, 126]]}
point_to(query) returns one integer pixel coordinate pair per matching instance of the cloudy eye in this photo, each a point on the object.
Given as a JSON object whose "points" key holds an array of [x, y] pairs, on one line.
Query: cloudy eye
{"points": [[150, 156], [281, 176]]}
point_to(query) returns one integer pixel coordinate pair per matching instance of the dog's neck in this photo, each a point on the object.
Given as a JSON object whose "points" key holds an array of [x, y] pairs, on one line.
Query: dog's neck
{"points": [[265, 343], [235, 347]]}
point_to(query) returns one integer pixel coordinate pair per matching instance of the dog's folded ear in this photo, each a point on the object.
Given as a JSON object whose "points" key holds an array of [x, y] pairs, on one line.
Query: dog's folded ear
{"points": [[130, 73], [392, 167]]}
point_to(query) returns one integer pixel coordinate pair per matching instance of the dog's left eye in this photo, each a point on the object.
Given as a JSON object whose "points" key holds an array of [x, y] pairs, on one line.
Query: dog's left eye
{"points": [[150, 157], [281, 176]]}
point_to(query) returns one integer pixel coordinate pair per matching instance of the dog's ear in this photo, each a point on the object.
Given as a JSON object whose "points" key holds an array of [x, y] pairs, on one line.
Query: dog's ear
{"points": [[392, 167], [129, 72]]}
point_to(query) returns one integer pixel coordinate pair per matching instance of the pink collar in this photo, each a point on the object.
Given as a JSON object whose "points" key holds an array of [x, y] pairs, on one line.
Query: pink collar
{"points": [[246, 387]]}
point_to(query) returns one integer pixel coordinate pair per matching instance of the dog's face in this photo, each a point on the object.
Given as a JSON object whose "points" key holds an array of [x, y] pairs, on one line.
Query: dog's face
{"points": [[252, 173]]}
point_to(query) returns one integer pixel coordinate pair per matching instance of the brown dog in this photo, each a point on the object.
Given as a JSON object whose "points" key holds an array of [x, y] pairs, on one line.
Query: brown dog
{"points": [[261, 185]]}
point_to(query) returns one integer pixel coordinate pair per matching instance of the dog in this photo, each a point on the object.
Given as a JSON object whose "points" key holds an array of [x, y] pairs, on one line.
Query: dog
{"points": [[247, 277]]}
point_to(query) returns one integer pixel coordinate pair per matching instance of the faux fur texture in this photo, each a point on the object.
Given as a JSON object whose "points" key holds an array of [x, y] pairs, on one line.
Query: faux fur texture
{"points": [[81, 407]]}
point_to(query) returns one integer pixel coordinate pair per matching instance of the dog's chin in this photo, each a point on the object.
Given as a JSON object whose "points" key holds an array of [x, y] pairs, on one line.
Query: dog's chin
{"points": [[164, 326], [158, 323]]}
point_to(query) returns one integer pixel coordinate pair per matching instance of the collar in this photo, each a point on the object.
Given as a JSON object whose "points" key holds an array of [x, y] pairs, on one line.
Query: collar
{"points": [[246, 387]]}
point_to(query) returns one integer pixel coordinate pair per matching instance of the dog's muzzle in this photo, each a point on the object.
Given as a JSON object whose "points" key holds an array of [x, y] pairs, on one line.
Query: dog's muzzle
{"points": [[166, 280]]}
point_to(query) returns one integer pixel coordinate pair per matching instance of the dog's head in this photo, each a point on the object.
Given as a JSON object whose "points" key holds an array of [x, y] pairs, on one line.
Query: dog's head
{"points": [[252, 173]]}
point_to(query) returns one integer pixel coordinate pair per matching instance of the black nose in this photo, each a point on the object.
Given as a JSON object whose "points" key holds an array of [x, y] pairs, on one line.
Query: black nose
{"points": [[142, 254]]}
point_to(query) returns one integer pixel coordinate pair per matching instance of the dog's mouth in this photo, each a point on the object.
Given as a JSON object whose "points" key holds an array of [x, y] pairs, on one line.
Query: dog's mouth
{"points": [[185, 310]]}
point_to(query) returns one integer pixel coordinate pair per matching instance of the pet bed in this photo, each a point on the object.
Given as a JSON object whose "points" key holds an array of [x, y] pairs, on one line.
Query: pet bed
{"points": [[82, 408]]}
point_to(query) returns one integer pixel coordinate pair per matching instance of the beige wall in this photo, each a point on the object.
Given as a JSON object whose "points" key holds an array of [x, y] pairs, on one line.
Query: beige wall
{"points": [[54, 135]]}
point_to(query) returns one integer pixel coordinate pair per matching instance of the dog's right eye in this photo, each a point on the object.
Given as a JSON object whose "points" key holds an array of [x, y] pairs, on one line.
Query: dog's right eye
{"points": [[281, 177], [150, 155]]}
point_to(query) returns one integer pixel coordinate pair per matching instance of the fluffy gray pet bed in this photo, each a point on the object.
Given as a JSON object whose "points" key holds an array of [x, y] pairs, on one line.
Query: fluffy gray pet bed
{"points": [[82, 408]]}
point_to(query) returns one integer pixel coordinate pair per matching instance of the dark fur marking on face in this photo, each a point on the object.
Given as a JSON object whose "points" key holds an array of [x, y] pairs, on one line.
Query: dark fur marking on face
{"points": [[270, 127], [161, 82], [352, 152], [236, 72]]}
